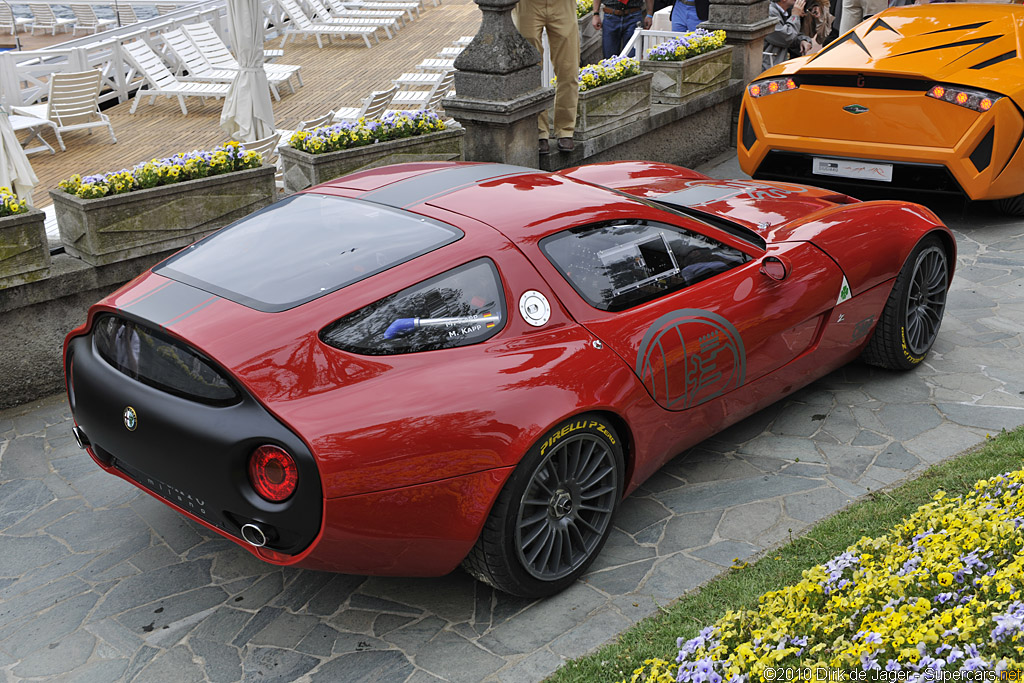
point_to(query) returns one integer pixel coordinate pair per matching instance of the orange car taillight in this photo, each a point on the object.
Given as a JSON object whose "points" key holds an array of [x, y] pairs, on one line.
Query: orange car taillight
{"points": [[978, 100], [273, 473], [771, 86]]}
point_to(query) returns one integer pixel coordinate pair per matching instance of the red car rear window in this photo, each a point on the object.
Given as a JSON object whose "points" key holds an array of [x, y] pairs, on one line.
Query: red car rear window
{"points": [[304, 247]]}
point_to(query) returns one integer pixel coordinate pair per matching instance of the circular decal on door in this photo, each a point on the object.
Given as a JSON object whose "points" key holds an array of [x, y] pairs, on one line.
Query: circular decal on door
{"points": [[534, 308], [131, 419], [690, 356]]}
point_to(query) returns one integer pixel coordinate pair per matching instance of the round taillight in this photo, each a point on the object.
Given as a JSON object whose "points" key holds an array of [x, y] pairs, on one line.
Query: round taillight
{"points": [[961, 98], [985, 104], [273, 473], [938, 91], [755, 91], [773, 86], [790, 84]]}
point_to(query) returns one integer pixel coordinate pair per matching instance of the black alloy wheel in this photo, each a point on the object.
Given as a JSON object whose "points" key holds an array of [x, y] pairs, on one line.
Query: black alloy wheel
{"points": [[555, 513], [909, 324]]}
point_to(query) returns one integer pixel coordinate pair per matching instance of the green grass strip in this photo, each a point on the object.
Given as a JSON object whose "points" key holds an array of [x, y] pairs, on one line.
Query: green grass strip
{"points": [[655, 637]]}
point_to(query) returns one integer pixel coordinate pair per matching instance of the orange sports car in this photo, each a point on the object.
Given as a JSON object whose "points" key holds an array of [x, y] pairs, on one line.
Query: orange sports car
{"points": [[926, 98]]}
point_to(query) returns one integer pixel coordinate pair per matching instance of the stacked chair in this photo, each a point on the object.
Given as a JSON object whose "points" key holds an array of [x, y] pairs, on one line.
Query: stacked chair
{"points": [[216, 53], [160, 81], [301, 24], [200, 69]]}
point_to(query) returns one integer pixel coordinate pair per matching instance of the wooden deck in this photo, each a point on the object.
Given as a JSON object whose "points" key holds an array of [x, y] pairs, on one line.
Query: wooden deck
{"points": [[340, 74]]}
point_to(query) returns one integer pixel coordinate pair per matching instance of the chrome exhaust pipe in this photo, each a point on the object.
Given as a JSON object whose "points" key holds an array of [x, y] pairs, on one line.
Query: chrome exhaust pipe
{"points": [[80, 438], [254, 535]]}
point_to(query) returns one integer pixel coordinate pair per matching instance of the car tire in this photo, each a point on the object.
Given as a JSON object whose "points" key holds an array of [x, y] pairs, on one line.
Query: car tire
{"points": [[1011, 206], [554, 513], [910, 321]]}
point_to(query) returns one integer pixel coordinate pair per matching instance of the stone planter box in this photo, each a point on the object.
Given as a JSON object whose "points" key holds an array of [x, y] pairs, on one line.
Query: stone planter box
{"points": [[109, 229], [677, 82], [24, 250], [612, 106], [302, 170]]}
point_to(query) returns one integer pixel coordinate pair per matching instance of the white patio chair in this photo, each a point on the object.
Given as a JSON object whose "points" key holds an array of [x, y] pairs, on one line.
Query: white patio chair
{"points": [[160, 81], [9, 22], [300, 24], [385, 20], [125, 14], [424, 99], [411, 9], [373, 107], [216, 53], [86, 20], [165, 9], [450, 52], [201, 70], [72, 104], [44, 18]]}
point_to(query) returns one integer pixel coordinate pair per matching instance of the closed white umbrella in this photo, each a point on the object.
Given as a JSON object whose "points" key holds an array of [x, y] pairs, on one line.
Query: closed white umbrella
{"points": [[248, 114], [15, 170]]}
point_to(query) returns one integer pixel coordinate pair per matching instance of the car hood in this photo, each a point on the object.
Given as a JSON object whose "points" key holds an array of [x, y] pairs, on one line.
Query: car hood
{"points": [[971, 43]]}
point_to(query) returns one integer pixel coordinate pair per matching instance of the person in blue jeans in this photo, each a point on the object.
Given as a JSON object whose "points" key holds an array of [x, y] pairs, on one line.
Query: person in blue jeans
{"points": [[619, 22], [684, 16]]}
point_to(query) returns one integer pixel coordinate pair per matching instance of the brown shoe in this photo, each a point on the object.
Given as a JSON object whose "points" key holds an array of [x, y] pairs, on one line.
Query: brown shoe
{"points": [[566, 144], [545, 146]]}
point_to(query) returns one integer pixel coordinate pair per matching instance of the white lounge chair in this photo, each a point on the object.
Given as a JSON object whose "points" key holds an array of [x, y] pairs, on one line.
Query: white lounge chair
{"points": [[86, 20], [9, 22], [373, 107], [160, 81], [165, 9], [411, 9], [44, 18], [72, 103], [300, 24], [450, 52], [424, 99], [436, 65], [201, 70], [422, 79], [216, 53], [385, 20]]}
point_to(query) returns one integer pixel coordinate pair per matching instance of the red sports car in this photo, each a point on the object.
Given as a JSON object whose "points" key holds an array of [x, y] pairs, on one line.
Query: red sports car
{"points": [[423, 365]]}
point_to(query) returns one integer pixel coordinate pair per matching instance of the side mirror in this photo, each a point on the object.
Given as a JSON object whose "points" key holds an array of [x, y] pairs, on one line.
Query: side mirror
{"points": [[774, 267]]}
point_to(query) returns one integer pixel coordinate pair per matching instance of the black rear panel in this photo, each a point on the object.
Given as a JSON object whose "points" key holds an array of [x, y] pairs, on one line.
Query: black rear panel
{"points": [[796, 167], [192, 454]]}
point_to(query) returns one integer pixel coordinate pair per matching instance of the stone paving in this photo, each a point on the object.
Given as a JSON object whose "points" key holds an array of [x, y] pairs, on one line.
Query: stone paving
{"points": [[99, 582]]}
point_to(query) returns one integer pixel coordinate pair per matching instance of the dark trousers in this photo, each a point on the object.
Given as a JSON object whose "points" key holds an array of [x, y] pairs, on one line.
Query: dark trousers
{"points": [[616, 31]]}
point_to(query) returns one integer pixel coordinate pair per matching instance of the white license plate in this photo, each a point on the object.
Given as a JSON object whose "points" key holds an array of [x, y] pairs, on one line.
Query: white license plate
{"points": [[846, 168]]}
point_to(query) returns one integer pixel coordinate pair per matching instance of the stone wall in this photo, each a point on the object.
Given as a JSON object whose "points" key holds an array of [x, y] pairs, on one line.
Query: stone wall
{"points": [[35, 318], [687, 134]]}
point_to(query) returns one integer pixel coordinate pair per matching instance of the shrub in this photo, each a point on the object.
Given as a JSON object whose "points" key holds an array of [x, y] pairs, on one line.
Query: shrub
{"points": [[11, 205], [231, 156], [687, 45], [391, 126]]}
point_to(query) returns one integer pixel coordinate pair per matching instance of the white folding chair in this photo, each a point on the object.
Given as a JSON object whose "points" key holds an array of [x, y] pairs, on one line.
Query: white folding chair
{"points": [[72, 103]]}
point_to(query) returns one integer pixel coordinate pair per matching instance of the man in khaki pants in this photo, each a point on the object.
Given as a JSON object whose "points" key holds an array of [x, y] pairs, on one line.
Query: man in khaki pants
{"points": [[559, 18]]}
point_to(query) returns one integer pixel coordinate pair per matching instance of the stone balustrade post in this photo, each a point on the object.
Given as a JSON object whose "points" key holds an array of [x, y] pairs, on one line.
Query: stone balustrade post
{"points": [[498, 91], [746, 23]]}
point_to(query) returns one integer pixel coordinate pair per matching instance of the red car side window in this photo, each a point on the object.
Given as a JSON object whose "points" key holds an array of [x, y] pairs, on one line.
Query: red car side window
{"points": [[619, 265], [462, 306]]}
